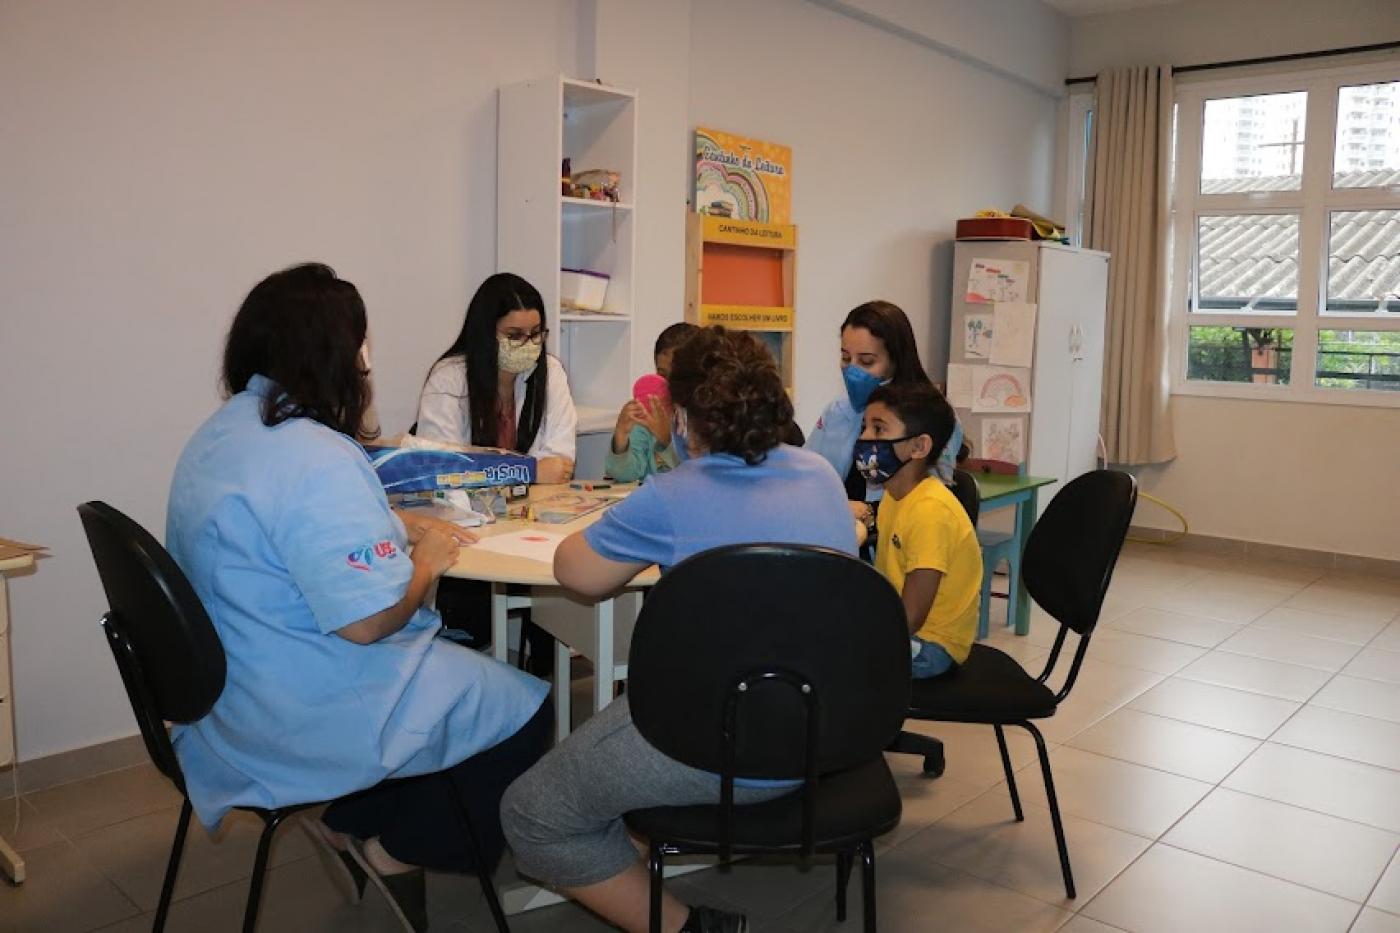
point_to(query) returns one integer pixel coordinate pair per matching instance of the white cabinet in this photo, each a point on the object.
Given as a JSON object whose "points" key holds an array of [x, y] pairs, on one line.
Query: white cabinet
{"points": [[540, 231], [1070, 289]]}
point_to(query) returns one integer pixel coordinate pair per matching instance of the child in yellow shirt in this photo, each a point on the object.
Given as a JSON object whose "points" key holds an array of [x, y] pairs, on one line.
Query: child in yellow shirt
{"points": [[927, 546]]}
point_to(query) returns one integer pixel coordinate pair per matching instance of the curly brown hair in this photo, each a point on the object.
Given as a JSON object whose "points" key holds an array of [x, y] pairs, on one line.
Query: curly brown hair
{"points": [[733, 397]]}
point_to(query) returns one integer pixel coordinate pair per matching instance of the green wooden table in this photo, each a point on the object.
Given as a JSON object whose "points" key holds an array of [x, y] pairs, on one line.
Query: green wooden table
{"points": [[999, 491]]}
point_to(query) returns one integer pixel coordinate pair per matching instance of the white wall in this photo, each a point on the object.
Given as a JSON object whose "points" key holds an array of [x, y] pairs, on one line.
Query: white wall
{"points": [[160, 158], [891, 143], [1026, 40], [1198, 31], [1309, 476]]}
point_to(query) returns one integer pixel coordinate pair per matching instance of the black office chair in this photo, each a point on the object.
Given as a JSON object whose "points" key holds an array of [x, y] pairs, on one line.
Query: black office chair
{"points": [[773, 661], [1067, 566], [172, 665], [964, 489]]}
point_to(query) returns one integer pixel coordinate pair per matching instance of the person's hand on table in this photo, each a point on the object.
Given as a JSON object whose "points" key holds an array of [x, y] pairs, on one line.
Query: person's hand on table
{"points": [[416, 525], [552, 470], [435, 551]]}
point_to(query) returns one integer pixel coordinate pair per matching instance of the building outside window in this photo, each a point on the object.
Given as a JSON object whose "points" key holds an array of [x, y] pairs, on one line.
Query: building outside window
{"points": [[1286, 237]]}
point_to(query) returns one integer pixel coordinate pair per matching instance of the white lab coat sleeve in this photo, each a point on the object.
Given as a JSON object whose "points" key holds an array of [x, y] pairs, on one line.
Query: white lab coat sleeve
{"points": [[559, 434], [442, 408]]}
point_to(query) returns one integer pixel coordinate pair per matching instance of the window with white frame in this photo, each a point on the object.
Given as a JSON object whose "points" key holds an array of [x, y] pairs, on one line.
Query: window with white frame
{"points": [[1286, 237]]}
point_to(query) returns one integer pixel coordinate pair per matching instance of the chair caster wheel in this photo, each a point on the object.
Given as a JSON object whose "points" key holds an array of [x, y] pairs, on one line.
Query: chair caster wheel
{"points": [[934, 765]]}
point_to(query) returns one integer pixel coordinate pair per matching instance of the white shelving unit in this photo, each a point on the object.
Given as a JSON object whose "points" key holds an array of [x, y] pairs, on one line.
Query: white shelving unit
{"points": [[539, 231]]}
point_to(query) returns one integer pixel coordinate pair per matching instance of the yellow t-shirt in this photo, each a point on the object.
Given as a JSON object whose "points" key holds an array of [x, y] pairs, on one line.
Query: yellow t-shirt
{"points": [[929, 530]]}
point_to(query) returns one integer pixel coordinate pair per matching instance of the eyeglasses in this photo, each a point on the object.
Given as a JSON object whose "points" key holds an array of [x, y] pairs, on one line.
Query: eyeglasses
{"points": [[518, 339]]}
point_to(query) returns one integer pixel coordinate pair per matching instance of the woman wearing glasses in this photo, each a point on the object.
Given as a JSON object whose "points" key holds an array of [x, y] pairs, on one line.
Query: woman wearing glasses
{"points": [[497, 387]]}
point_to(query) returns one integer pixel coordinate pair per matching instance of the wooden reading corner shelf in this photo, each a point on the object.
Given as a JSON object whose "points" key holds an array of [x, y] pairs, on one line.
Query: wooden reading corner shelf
{"points": [[741, 273]]}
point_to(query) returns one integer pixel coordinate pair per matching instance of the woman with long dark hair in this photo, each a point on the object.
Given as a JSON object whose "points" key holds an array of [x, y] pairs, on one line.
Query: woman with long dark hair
{"points": [[497, 386], [335, 681], [877, 348]]}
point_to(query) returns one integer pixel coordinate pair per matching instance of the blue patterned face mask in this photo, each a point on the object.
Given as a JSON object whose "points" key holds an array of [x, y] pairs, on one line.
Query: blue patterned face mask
{"points": [[877, 461], [859, 385]]}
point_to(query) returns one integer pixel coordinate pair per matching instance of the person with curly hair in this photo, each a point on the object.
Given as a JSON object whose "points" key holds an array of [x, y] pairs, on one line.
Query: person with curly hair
{"points": [[741, 484]]}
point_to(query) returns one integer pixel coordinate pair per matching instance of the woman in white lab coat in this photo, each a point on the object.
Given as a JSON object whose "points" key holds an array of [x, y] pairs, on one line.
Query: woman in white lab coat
{"points": [[496, 386]]}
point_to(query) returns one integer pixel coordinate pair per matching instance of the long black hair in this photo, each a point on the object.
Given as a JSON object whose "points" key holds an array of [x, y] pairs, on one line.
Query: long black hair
{"points": [[888, 323], [498, 296], [303, 328]]}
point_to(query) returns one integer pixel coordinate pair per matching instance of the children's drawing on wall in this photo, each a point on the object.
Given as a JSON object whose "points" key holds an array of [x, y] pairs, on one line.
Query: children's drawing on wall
{"points": [[959, 385], [1013, 328], [1000, 389], [977, 334], [1003, 439], [992, 280]]}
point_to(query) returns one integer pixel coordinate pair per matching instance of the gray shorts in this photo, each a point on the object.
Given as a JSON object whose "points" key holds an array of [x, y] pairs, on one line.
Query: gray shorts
{"points": [[563, 817]]}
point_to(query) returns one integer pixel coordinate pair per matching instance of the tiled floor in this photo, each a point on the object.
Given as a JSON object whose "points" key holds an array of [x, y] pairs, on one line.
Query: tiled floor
{"points": [[1229, 760]]}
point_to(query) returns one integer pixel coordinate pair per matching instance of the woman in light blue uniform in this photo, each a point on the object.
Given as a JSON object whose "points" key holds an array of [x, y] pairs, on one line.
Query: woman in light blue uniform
{"points": [[877, 348], [317, 589]]}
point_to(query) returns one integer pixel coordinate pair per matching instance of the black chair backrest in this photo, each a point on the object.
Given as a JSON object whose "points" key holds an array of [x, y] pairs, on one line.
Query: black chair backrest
{"points": [[770, 661], [1074, 546], [965, 489], [169, 655]]}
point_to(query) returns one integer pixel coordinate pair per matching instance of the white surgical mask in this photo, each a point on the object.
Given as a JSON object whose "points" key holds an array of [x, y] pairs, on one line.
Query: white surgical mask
{"points": [[513, 359]]}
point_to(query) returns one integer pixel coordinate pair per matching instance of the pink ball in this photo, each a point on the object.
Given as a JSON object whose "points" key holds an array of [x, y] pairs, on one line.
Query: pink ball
{"points": [[651, 386]]}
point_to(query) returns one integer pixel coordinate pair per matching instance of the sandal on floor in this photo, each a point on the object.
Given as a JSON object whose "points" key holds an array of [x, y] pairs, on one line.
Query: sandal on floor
{"points": [[406, 892], [349, 877]]}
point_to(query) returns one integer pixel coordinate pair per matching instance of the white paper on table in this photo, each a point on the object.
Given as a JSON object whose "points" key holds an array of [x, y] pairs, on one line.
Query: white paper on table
{"points": [[528, 543], [1013, 333], [1000, 389], [990, 280], [978, 334], [1003, 439], [960, 385]]}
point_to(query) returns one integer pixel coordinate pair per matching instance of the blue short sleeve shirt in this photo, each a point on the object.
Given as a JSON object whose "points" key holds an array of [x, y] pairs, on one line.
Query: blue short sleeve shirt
{"points": [[792, 497], [287, 537]]}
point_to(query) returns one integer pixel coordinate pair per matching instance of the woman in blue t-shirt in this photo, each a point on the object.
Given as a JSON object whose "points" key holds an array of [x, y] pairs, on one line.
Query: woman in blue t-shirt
{"points": [[877, 348], [335, 681], [740, 484]]}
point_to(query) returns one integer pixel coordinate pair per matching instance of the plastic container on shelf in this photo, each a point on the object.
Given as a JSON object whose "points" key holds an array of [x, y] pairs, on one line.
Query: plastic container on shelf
{"points": [[583, 289]]}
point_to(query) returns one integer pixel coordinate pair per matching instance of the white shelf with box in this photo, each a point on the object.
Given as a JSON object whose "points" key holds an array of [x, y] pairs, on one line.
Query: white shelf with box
{"points": [[541, 231]]}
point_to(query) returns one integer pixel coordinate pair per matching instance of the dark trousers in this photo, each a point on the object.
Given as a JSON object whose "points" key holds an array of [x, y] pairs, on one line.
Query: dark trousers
{"points": [[416, 819], [465, 605]]}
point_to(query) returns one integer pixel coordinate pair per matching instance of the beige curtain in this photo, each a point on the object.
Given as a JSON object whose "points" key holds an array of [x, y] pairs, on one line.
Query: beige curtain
{"points": [[1126, 215]]}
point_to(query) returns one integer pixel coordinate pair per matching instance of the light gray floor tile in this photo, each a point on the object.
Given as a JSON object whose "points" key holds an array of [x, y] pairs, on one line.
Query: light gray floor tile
{"points": [[1313, 849], [1166, 744], [1170, 890], [1250, 714], [1349, 789], [1345, 735]]}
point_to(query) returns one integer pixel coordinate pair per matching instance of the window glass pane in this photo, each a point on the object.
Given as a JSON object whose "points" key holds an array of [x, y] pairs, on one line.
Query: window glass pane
{"points": [[1247, 262], [1253, 143], [1363, 262], [1358, 359], [1368, 136], [1240, 354]]}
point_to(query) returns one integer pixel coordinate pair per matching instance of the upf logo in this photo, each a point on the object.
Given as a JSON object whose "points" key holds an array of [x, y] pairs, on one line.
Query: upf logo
{"points": [[362, 557]]}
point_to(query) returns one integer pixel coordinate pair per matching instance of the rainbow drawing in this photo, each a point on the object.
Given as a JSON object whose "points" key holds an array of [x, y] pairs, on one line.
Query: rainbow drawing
{"points": [[746, 179], [1001, 389]]}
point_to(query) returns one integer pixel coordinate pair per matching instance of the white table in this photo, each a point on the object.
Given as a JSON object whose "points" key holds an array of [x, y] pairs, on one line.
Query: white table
{"points": [[600, 632], [10, 862]]}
